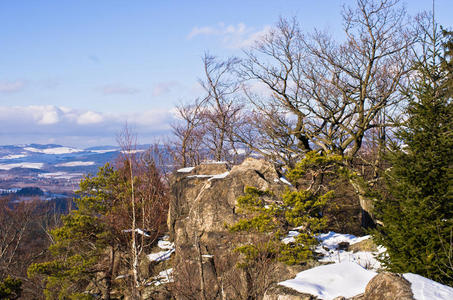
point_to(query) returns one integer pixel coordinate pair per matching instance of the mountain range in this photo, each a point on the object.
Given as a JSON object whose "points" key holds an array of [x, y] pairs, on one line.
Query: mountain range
{"points": [[51, 166]]}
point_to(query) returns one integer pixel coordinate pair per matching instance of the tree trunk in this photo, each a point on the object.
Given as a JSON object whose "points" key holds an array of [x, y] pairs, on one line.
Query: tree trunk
{"points": [[108, 276], [368, 219]]}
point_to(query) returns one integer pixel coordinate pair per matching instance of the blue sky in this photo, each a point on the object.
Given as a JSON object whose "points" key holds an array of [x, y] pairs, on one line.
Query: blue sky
{"points": [[73, 72]]}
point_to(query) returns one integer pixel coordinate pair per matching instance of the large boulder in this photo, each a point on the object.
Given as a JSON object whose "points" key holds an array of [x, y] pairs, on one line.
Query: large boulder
{"points": [[388, 286], [202, 205]]}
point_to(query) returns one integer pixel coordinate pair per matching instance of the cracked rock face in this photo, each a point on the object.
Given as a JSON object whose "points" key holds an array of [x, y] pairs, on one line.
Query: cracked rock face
{"points": [[203, 204]]}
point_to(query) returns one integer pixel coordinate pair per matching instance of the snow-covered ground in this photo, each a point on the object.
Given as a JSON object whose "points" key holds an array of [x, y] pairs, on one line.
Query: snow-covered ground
{"points": [[427, 289], [56, 150], [13, 156], [60, 175], [350, 272], [21, 165], [103, 150], [327, 282], [76, 164], [328, 248]]}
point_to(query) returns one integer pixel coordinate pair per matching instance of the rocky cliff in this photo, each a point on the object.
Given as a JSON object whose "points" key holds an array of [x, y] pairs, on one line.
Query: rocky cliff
{"points": [[203, 204]]}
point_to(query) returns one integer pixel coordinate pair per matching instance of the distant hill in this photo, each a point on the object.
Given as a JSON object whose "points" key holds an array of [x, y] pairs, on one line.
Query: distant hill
{"points": [[51, 166]]}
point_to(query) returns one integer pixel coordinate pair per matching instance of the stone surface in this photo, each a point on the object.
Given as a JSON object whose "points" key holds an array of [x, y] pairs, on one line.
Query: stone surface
{"points": [[283, 293], [365, 245], [201, 208], [388, 286]]}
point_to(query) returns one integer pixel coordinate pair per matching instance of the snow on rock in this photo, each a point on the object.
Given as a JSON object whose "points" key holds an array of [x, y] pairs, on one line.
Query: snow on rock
{"points": [[211, 177], [219, 176], [345, 279], [168, 246], [138, 230], [163, 243], [160, 256], [186, 170], [424, 288], [214, 162], [56, 150], [164, 277], [76, 164], [328, 248], [285, 181], [21, 165]]}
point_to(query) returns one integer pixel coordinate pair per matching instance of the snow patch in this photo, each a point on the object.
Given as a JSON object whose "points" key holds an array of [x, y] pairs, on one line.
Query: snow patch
{"points": [[332, 239], [132, 151], [163, 277], [160, 256], [328, 248], [285, 181], [165, 244], [186, 170], [327, 282], [424, 288], [76, 164], [137, 230], [214, 162], [56, 150], [211, 176], [21, 165], [103, 151], [60, 175], [290, 237], [219, 176], [13, 156]]}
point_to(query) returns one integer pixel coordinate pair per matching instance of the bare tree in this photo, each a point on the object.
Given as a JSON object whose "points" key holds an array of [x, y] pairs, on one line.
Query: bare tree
{"points": [[206, 127], [15, 221], [189, 132], [222, 108], [332, 94], [146, 201]]}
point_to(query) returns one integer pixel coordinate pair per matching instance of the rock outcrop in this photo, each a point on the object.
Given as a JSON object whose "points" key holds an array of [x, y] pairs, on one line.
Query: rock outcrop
{"points": [[203, 204], [388, 286]]}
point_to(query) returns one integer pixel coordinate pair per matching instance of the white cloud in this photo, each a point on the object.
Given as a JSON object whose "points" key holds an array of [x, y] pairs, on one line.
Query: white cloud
{"points": [[11, 86], [232, 36], [45, 115], [206, 30], [67, 126], [89, 117], [118, 89]]}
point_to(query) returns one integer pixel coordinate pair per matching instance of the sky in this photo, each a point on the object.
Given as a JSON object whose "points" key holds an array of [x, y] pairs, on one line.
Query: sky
{"points": [[74, 72]]}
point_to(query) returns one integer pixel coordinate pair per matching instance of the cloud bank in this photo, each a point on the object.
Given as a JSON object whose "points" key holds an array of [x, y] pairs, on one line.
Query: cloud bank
{"points": [[63, 125]]}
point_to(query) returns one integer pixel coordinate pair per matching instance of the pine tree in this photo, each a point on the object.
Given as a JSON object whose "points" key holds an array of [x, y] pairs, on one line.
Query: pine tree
{"points": [[417, 211], [10, 288], [84, 246], [275, 215]]}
